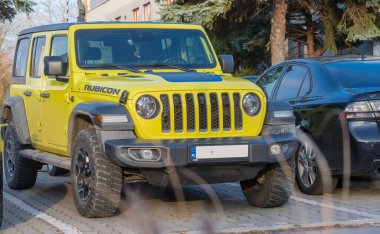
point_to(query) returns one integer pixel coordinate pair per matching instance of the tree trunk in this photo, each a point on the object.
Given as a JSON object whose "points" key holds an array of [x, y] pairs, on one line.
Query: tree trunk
{"points": [[278, 30], [310, 37]]}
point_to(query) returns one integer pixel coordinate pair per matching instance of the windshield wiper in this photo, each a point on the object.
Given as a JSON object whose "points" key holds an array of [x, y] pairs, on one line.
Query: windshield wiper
{"points": [[111, 65], [163, 65]]}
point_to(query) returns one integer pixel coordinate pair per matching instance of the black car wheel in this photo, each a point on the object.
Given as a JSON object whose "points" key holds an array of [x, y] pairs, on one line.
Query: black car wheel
{"points": [[20, 173], [307, 166], [308, 174], [97, 182]]}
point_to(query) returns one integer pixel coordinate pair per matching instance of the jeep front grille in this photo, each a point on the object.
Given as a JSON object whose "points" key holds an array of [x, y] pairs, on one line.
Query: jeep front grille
{"points": [[165, 118], [201, 112]]}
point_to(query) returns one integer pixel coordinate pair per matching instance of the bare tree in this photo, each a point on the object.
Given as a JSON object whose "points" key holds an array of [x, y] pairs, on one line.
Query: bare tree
{"points": [[5, 59]]}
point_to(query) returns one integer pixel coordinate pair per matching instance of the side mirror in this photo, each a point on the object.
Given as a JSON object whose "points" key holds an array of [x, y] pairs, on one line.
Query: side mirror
{"points": [[227, 63], [56, 66]]}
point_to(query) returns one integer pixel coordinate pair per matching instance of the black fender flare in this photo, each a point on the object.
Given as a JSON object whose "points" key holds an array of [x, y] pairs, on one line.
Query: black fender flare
{"points": [[90, 110], [17, 108]]}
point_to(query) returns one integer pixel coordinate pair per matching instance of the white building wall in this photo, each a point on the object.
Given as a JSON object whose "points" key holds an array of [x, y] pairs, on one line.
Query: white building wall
{"points": [[105, 10]]}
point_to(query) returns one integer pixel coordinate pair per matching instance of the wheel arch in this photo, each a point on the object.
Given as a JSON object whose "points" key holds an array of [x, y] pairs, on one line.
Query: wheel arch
{"points": [[83, 117], [14, 109]]}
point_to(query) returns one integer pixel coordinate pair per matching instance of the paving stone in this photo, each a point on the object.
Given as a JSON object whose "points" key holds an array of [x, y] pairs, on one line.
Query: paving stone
{"points": [[154, 210]]}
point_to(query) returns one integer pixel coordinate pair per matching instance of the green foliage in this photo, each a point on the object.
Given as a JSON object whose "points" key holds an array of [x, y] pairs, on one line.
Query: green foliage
{"points": [[237, 27], [9, 8], [242, 27], [358, 22]]}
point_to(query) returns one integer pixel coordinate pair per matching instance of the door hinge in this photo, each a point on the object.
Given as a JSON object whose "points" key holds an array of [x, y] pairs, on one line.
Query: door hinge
{"points": [[39, 126], [69, 98]]}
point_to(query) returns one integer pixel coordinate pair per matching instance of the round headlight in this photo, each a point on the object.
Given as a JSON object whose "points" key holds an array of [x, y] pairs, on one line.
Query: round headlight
{"points": [[251, 104], [147, 107]]}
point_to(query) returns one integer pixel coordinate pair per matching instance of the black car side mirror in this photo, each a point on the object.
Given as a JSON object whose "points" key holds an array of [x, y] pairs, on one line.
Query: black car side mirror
{"points": [[227, 63], [56, 66]]}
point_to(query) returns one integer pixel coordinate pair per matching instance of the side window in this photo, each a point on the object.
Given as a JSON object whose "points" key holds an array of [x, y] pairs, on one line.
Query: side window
{"points": [[291, 82], [306, 85], [268, 80], [21, 60], [38, 53], [59, 46]]}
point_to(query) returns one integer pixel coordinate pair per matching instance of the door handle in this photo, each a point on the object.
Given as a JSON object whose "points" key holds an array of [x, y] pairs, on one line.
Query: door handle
{"points": [[28, 93], [45, 95]]}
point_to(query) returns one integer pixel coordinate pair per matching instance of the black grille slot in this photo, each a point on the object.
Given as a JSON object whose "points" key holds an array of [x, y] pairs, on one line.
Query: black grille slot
{"points": [[178, 119], [165, 118], [214, 112], [226, 111], [238, 114], [190, 112], [202, 112]]}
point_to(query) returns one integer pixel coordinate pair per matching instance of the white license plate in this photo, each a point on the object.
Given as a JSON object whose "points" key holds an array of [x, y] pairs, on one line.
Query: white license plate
{"points": [[219, 151]]}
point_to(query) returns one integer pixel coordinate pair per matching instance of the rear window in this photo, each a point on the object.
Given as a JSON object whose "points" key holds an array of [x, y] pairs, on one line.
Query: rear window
{"points": [[355, 74]]}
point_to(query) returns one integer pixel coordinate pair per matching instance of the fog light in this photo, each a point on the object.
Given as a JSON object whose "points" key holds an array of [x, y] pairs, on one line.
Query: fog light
{"points": [[275, 149], [149, 154], [146, 154]]}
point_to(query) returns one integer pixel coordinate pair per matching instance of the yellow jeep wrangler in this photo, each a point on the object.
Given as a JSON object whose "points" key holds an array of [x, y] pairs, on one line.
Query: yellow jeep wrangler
{"points": [[119, 103]]}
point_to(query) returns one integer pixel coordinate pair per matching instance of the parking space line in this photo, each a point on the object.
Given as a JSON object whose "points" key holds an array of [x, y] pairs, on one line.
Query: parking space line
{"points": [[288, 227], [64, 227], [336, 208]]}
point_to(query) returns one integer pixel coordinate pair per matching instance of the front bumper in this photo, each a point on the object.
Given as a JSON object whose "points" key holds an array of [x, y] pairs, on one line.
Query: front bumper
{"points": [[365, 147], [179, 152]]}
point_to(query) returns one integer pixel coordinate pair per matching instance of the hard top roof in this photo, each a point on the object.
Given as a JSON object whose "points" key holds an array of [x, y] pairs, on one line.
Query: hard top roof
{"points": [[66, 26]]}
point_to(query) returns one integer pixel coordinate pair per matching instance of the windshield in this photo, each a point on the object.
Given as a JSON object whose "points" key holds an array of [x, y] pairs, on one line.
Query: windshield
{"points": [[143, 48], [356, 74]]}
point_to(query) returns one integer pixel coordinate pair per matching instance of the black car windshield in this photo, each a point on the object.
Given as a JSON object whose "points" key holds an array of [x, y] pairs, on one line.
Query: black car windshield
{"points": [[143, 48], [356, 74]]}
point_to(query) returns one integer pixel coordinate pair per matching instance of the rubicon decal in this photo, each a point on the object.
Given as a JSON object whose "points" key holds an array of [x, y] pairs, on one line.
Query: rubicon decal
{"points": [[101, 89]]}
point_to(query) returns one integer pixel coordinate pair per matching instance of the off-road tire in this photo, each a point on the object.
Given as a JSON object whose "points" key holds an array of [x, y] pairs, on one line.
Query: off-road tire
{"points": [[323, 183], [24, 173], [105, 178], [56, 171], [272, 187]]}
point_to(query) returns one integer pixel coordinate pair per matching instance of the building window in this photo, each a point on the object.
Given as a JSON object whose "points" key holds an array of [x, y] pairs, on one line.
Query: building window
{"points": [[136, 14], [147, 12]]}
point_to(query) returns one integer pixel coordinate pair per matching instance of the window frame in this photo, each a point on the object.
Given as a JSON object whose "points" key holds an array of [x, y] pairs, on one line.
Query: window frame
{"points": [[51, 49], [21, 79], [274, 90], [136, 14], [33, 50], [147, 7], [283, 75], [52, 39], [308, 74], [213, 65]]}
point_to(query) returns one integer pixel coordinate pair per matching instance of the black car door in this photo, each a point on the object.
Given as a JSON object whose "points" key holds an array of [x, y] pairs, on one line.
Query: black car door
{"points": [[293, 87]]}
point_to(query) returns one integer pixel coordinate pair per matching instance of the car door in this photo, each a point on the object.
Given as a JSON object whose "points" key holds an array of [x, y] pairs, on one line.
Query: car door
{"points": [[56, 101], [289, 88], [33, 86]]}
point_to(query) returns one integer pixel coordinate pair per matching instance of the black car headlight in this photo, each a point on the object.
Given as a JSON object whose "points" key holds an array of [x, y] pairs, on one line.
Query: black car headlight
{"points": [[251, 104], [147, 107]]}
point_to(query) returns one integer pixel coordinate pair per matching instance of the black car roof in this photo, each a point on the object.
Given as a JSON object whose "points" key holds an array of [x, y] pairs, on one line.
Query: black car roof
{"points": [[66, 26], [337, 58]]}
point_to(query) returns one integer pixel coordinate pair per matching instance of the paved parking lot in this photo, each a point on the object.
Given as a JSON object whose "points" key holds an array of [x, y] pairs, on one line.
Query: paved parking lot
{"points": [[48, 208]]}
